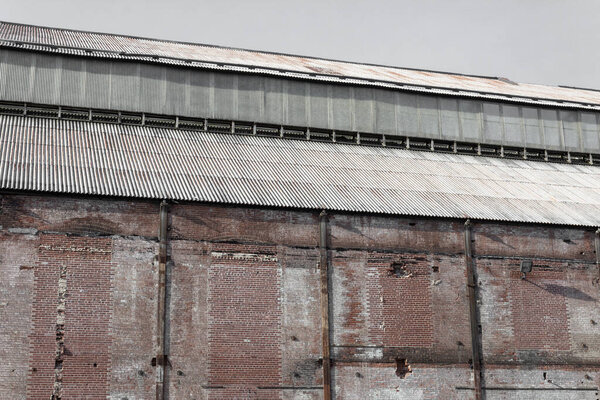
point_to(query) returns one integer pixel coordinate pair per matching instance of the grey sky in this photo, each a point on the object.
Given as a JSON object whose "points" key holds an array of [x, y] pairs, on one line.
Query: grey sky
{"points": [[538, 41]]}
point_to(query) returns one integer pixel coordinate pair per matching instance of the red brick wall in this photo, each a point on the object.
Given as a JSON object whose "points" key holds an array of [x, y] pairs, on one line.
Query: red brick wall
{"points": [[106, 249], [243, 304], [400, 309], [244, 330], [133, 318], [70, 337], [539, 311], [18, 257], [550, 315]]}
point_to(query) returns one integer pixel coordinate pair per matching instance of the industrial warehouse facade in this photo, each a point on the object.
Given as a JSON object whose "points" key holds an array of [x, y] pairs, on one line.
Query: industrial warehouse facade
{"points": [[183, 221]]}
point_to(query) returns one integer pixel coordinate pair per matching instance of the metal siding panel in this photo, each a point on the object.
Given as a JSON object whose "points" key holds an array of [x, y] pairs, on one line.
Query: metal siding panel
{"points": [[449, 118], [492, 123], [552, 132], [19, 76], [177, 92], [225, 87], [342, 113], [407, 114], [125, 86], [513, 126], [570, 129], [4, 59], [46, 82], [295, 106], [273, 101], [590, 131], [385, 111], [200, 94], [429, 117], [533, 131], [250, 98], [363, 110], [94, 79], [319, 112], [72, 82], [98, 80], [169, 52], [152, 88], [470, 120]]}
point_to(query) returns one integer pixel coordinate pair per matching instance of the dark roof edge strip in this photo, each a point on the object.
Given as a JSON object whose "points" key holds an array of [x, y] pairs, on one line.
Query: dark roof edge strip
{"points": [[214, 46], [32, 192], [262, 70], [579, 88]]}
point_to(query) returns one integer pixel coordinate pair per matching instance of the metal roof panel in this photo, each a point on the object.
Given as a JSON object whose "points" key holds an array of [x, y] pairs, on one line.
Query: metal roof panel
{"points": [[199, 55], [136, 161]]}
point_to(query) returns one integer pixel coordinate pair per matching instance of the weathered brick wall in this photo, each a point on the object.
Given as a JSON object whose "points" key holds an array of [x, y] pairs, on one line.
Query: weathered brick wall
{"points": [[78, 300], [540, 335], [70, 335], [18, 257], [245, 304]]}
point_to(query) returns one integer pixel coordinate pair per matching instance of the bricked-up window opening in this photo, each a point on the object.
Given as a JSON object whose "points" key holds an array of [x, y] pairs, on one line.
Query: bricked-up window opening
{"points": [[402, 368], [400, 271]]}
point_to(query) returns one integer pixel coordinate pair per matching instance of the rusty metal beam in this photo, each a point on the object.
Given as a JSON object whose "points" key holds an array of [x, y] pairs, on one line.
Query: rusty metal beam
{"points": [[473, 313], [325, 321], [161, 357]]}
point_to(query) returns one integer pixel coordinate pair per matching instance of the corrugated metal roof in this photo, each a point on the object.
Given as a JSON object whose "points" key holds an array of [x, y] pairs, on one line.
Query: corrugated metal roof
{"points": [[118, 46], [136, 161]]}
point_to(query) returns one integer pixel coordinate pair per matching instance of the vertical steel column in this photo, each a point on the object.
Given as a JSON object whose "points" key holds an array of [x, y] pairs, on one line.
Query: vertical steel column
{"points": [[161, 357], [472, 294], [597, 246], [324, 269]]}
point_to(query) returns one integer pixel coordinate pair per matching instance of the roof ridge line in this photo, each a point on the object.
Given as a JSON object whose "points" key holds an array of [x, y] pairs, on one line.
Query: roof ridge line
{"points": [[214, 46]]}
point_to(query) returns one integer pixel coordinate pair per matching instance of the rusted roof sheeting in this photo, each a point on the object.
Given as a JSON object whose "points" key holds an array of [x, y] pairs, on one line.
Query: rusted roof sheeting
{"points": [[117, 46], [118, 160]]}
